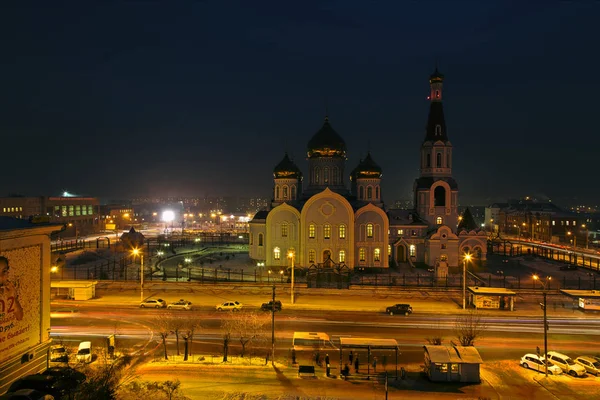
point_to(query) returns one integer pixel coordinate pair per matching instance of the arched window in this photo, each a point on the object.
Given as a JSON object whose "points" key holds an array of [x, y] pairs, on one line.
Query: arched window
{"points": [[361, 193], [428, 161], [342, 230], [285, 192], [438, 160], [334, 175], [276, 253], [412, 250], [439, 195], [439, 221], [377, 255], [327, 231], [277, 192], [370, 192], [390, 249], [369, 230], [437, 94], [362, 254], [438, 130], [342, 256], [311, 256], [311, 231], [377, 192], [326, 175], [293, 193], [317, 175], [260, 239], [284, 230]]}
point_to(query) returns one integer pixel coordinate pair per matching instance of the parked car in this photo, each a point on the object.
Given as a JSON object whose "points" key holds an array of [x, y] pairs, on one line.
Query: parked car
{"points": [[40, 383], [153, 303], [180, 305], [26, 394], [58, 353], [399, 309], [566, 364], [84, 352], [229, 306], [271, 306], [568, 267], [591, 365], [68, 375], [535, 362]]}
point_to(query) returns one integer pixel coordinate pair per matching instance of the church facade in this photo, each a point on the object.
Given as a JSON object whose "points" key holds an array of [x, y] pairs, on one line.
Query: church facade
{"points": [[326, 224]]}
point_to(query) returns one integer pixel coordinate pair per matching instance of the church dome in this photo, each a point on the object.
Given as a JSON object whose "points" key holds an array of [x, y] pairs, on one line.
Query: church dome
{"points": [[437, 76], [367, 168], [326, 143], [287, 169]]}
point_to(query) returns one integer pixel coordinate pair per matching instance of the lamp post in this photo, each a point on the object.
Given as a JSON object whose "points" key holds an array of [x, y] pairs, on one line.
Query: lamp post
{"points": [[292, 255], [544, 284], [518, 231], [135, 253], [586, 235], [466, 258]]}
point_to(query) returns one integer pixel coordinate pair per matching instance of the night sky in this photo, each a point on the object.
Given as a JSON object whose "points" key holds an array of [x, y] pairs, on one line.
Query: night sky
{"points": [[148, 98]]}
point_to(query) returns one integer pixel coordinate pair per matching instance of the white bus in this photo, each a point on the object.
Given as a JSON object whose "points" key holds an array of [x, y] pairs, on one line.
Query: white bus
{"points": [[311, 341]]}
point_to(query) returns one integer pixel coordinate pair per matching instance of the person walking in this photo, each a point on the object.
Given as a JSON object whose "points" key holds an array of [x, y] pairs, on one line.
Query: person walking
{"points": [[318, 359], [327, 364], [293, 356], [356, 364]]}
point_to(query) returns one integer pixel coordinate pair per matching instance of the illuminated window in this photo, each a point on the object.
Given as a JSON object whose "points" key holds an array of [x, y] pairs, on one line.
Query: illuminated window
{"points": [[400, 231], [362, 254], [369, 193], [285, 192], [284, 230], [553, 223], [71, 211], [369, 230], [574, 223], [342, 231], [317, 175], [64, 211], [260, 239], [567, 223], [276, 253], [311, 256], [414, 233], [437, 95], [327, 231], [311, 231], [276, 192], [444, 257], [454, 368], [389, 249], [412, 251], [342, 256], [326, 175], [377, 255], [438, 220]]}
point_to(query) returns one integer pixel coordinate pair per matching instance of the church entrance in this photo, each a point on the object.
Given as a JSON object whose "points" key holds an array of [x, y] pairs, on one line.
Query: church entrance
{"points": [[401, 254], [326, 255]]}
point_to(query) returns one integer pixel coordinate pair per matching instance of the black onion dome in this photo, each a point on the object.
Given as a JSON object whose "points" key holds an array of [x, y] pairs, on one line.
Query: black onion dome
{"points": [[287, 169], [437, 76], [326, 143], [367, 168]]}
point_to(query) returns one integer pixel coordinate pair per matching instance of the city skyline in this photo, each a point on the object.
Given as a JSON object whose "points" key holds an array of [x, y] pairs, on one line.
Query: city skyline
{"points": [[132, 100]]}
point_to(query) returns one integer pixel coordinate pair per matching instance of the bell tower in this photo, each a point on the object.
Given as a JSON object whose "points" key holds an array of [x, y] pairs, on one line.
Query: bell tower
{"points": [[436, 191]]}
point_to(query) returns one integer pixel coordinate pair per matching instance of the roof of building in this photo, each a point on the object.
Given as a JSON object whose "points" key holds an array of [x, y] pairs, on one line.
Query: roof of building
{"points": [[287, 169], [491, 290], [436, 118], [367, 342], [436, 76], [581, 293], [426, 182], [398, 216], [261, 215], [326, 143], [11, 223], [367, 168], [445, 354]]}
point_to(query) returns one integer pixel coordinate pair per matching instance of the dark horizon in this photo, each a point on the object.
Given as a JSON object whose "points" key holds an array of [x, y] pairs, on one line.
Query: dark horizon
{"points": [[124, 100]]}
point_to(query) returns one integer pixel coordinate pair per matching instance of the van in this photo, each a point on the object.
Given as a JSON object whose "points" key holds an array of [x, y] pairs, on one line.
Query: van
{"points": [[84, 352], [566, 364]]}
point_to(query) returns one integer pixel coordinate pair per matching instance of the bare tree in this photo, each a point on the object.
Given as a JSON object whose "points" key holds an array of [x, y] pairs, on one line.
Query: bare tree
{"points": [[437, 335], [162, 325], [190, 325], [246, 327], [178, 323], [469, 327], [104, 379]]}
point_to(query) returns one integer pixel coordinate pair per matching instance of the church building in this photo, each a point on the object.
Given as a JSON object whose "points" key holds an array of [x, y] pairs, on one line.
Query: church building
{"points": [[325, 224]]}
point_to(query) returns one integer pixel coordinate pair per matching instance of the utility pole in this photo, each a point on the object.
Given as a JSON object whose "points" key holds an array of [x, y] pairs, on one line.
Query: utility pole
{"points": [[545, 334], [273, 329]]}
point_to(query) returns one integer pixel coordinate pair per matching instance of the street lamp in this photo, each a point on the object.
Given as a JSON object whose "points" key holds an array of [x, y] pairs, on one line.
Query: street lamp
{"points": [[545, 283], [518, 231], [465, 260], [292, 255], [586, 234], [135, 252]]}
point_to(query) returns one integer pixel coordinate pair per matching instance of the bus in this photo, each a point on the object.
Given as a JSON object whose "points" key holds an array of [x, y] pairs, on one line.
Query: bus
{"points": [[311, 341]]}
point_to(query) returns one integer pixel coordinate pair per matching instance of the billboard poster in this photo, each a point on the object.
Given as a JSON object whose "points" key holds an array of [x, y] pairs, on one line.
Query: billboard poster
{"points": [[20, 290]]}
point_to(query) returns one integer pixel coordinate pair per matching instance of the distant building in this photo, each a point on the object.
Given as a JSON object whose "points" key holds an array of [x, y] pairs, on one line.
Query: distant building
{"points": [[326, 224]]}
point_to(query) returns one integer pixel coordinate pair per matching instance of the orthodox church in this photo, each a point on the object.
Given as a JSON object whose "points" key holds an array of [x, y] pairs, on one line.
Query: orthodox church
{"points": [[325, 224]]}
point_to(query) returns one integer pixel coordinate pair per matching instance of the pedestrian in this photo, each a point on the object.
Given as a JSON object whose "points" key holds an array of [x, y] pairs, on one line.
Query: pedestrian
{"points": [[346, 371], [375, 364], [356, 364], [317, 358], [350, 357], [327, 363], [293, 356], [267, 359]]}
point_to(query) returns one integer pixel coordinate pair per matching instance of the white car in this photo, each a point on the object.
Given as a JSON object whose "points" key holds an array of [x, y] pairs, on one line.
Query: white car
{"points": [[84, 352], [229, 306], [153, 303], [535, 362], [180, 305]]}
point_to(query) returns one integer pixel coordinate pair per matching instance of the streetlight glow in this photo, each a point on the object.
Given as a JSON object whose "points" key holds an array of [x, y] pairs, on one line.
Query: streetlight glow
{"points": [[168, 216]]}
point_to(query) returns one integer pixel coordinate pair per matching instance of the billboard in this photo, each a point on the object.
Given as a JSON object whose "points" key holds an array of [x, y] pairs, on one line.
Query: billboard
{"points": [[20, 291]]}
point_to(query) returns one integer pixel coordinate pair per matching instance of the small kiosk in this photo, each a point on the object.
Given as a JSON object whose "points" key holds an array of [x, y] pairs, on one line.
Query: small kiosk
{"points": [[489, 298], [445, 363], [585, 299], [77, 290]]}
